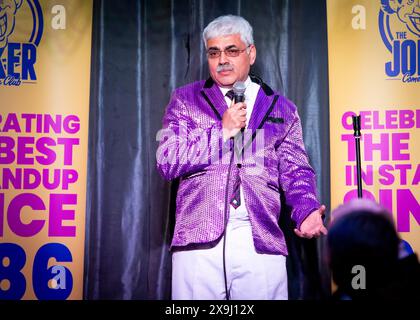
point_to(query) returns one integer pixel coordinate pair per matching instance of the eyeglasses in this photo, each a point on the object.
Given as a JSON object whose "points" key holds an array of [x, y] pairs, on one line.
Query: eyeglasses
{"points": [[230, 52]]}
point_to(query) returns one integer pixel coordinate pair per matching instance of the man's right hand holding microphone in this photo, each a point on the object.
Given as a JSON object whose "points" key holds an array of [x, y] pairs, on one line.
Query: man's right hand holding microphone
{"points": [[234, 119]]}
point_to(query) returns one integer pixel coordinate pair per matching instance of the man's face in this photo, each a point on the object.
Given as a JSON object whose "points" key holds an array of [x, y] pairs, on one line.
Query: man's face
{"points": [[225, 70], [7, 19]]}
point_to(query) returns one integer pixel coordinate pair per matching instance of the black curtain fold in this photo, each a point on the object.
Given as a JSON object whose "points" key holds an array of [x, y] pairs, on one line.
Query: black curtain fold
{"points": [[141, 51]]}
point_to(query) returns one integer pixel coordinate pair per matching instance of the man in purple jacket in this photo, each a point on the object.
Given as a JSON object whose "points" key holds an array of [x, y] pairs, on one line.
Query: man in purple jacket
{"points": [[227, 243]]}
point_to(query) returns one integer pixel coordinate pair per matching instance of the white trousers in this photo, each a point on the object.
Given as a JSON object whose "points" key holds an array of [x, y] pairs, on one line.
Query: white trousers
{"points": [[198, 274]]}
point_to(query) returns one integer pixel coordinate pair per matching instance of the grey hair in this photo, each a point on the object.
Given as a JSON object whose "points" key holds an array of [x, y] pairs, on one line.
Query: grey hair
{"points": [[227, 25]]}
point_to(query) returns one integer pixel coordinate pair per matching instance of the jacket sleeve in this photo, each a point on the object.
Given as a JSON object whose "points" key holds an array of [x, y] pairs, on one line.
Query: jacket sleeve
{"points": [[186, 147], [296, 176]]}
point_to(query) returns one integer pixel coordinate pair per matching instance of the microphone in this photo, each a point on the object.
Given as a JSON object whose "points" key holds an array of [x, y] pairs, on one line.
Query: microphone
{"points": [[239, 96], [239, 91]]}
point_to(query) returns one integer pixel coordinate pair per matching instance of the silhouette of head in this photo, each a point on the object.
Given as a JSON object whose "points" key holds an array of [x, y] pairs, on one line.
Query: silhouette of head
{"points": [[362, 233]]}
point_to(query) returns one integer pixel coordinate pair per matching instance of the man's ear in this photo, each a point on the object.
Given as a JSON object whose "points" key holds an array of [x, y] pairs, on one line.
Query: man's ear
{"points": [[252, 54]]}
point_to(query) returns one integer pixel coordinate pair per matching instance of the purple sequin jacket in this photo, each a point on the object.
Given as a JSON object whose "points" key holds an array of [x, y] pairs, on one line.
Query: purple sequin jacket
{"points": [[192, 148]]}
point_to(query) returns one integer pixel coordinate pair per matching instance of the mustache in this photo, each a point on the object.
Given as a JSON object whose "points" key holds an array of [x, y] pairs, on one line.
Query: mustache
{"points": [[224, 67]]}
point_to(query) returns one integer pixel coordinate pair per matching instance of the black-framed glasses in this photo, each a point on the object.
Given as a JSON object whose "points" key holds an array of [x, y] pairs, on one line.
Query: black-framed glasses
{"points": [[229, 52]]}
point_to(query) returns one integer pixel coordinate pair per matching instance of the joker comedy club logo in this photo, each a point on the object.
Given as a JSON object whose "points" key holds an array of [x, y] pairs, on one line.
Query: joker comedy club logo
{"points": [[21, 27], [399, 26]]}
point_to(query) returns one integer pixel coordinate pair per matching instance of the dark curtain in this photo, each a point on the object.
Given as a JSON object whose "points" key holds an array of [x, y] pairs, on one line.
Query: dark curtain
{"points": [[141, 51]]}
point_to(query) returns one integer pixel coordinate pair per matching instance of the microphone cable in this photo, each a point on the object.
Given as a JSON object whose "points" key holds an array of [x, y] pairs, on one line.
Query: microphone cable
{"points": [[239, 90], [226, 222]]}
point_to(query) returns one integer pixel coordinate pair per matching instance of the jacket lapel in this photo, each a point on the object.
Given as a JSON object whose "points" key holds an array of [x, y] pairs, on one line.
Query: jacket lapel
{"points": [[264, 104], [214, 97], [261, 106]]}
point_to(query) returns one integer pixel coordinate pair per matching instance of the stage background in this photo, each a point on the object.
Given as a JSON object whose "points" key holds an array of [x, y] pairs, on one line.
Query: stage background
{"points": [[141, 51]]}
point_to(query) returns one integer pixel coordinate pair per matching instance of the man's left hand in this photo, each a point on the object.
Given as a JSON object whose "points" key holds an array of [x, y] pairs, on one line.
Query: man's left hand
{"points": [[312, 226]]}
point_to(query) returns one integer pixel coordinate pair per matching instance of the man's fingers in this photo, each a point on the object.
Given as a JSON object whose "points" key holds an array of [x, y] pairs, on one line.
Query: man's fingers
{"points": [[302, 234], [320, 231], [240, 123], [239, 106], [310, 235], [298, 233], [322, 210]]}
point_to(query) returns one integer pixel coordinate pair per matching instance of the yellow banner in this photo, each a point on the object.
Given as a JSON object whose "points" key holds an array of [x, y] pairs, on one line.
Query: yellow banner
{"points": [[45, 52], [374, 71]]}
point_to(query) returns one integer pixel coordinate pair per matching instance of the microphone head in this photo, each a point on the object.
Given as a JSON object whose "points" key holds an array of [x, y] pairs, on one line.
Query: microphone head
{"points": [[239, 88]]}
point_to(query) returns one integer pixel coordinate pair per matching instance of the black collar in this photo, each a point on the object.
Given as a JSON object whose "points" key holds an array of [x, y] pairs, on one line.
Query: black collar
{"points": [[267, 90]]}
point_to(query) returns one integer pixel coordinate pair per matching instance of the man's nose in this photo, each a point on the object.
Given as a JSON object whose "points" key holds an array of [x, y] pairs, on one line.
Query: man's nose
{"points": [[223, 58]]}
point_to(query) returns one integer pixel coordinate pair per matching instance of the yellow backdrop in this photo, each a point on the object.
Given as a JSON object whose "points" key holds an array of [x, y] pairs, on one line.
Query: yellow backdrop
{"points": [[374, 66], [45, 49]]}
